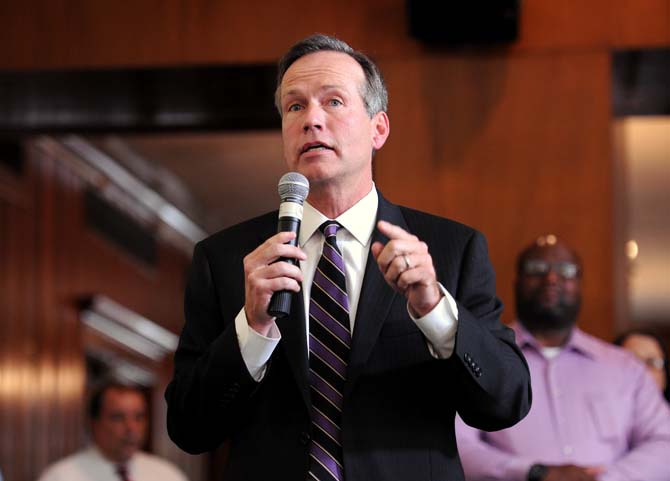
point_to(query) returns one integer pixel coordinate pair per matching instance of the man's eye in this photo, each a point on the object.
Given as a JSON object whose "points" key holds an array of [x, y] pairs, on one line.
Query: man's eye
{"points": [[334, 102], [293, 107]]}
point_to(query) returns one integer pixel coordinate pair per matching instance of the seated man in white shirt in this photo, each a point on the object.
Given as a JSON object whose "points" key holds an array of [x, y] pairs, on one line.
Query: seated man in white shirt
{"points": [[118, 422]]}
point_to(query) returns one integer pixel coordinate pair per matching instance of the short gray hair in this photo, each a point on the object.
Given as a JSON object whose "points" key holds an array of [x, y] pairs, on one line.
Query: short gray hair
{"points": [[373, 93]]}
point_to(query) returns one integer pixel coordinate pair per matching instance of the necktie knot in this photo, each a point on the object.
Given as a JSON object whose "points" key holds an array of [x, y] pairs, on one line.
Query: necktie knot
{"points": [[329, 228]]}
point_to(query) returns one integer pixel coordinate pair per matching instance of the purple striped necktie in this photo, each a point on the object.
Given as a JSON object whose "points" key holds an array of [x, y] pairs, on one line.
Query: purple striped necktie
{"points": [[329, 344]]}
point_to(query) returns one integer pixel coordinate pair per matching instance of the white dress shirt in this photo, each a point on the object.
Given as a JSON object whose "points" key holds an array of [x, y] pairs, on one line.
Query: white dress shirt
{"points": [[91, 465], [439, 326]]}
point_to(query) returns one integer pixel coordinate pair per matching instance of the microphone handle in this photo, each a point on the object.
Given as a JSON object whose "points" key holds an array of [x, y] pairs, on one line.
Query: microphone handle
{"points": [[280, 303]]}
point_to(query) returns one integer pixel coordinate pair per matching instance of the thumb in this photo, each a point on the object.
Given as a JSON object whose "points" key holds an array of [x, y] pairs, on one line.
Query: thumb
{"points": [[376, 249]]}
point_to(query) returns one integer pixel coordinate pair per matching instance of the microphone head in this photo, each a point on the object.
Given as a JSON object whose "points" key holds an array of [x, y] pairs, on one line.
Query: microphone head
{"points": [[293, 187]]}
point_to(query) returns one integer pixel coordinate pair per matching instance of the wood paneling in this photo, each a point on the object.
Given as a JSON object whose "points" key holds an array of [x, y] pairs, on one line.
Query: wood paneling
{"points": [[40, 34], [477, 140], [575, 24], [49, 261]]}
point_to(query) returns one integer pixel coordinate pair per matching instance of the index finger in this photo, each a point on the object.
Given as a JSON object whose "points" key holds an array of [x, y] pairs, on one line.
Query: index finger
{"points": [[392, 231], [278, 246], [282, 237]]}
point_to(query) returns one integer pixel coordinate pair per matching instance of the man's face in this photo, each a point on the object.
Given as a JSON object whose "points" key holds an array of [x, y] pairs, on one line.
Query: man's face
{"points": [[121, 428], [548, 289], [327, 133]]}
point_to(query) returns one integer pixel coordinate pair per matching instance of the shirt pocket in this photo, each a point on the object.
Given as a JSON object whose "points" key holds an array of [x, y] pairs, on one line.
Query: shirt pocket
{"points": [[606, 418]]}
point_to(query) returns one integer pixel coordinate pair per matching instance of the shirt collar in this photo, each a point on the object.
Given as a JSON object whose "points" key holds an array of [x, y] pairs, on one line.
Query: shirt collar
{"points": [[578, 342], [359, 220], [95, 452]]}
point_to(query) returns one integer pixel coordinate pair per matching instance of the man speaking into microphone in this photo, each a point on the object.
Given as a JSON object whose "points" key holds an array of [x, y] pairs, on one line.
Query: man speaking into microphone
{"points": [[393, 325]]}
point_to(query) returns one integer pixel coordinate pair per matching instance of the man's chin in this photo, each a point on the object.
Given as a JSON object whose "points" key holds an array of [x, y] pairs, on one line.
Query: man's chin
{"points": [[316, 174], [547, 319], [127, 451]]}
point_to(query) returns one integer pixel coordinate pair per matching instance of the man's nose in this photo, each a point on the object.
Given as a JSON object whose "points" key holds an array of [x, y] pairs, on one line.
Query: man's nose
{"points": [[135, 426], [313, 118], [552, 276]]}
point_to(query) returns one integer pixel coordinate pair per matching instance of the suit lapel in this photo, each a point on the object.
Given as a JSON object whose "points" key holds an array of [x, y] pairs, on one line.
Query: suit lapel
{"points": [[375, 299], [294, 341]]}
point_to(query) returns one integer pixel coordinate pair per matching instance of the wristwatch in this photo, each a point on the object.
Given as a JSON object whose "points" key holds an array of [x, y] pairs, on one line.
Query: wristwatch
{"points": [[537, 472]]}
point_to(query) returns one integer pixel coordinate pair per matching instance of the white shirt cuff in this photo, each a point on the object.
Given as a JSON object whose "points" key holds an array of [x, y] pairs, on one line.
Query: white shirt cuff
{"points": [[256, 349], [439, 326]]}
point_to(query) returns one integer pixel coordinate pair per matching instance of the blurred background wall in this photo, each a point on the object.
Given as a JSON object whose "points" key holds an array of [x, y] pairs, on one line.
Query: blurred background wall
{"points": [[516, 140]]}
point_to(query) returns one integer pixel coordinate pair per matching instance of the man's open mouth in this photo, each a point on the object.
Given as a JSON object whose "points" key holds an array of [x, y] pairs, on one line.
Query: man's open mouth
{"points": [[312, 146]]}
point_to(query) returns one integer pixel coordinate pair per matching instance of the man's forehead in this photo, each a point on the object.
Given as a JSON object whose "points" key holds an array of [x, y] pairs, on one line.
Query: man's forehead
{"points": [[323, 88], [114, 397], [552, 252], [335, 69]]}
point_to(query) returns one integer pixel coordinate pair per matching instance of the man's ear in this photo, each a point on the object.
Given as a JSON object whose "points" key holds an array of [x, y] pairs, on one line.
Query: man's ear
{"points": [[380, 129]]}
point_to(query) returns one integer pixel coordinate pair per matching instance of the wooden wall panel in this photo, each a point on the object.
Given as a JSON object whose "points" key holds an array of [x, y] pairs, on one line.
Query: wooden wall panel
{"points": [[20, 368], [593, 24], [49, 262], [475, 138], [39, 34]]}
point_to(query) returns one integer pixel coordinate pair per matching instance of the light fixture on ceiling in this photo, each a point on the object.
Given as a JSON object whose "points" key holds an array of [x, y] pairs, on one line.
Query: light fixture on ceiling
{"points": [[128, 328]]}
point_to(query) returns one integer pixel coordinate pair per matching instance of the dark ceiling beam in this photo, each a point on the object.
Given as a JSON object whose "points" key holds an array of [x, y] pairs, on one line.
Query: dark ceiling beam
{"points": [[139, 100]]}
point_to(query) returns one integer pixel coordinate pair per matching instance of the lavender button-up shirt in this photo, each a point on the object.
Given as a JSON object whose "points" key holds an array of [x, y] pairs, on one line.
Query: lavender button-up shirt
{"points": [[593, 405]]}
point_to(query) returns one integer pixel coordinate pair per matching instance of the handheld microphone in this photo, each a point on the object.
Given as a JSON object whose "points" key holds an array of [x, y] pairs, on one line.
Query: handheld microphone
{"points": [[293, 189]]}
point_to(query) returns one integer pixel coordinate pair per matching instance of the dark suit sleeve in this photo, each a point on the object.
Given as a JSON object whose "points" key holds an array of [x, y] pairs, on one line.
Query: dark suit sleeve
{"points": [[491, 372], [209, 392]]}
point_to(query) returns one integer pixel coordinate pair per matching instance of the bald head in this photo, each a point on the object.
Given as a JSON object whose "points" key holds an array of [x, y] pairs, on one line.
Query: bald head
{"points": [[543, 246]]}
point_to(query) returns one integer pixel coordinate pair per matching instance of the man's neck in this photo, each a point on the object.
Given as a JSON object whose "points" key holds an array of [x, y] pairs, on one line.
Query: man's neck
{"points": [[550, 337], [111, 457]]}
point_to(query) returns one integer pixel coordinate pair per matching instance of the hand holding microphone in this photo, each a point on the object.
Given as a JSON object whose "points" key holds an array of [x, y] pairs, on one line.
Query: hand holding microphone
{"points": [[265, 277], [293, 189]]}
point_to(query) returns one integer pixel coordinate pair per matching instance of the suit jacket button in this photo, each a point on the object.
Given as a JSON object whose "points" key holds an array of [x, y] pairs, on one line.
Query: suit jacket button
{"points": [[305, 438]]}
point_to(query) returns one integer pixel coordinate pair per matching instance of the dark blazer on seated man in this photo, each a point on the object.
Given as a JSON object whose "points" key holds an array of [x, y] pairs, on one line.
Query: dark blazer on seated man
{"points": [[400, 395]]}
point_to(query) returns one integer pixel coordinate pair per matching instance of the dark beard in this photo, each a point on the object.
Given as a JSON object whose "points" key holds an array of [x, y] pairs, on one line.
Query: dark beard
{"points": [[538, 318]]}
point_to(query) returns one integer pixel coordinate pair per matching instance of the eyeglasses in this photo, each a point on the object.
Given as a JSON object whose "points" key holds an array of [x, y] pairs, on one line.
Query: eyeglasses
{"points": [[654, 362], [536, 267]]}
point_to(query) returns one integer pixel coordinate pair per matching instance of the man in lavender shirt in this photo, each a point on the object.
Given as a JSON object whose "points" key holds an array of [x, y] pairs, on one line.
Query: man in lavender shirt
{"points": [[596, 413]]}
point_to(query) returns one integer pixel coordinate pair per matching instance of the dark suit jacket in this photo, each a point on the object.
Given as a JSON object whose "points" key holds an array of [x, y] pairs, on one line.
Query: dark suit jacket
{"points": [[399, 401]]}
